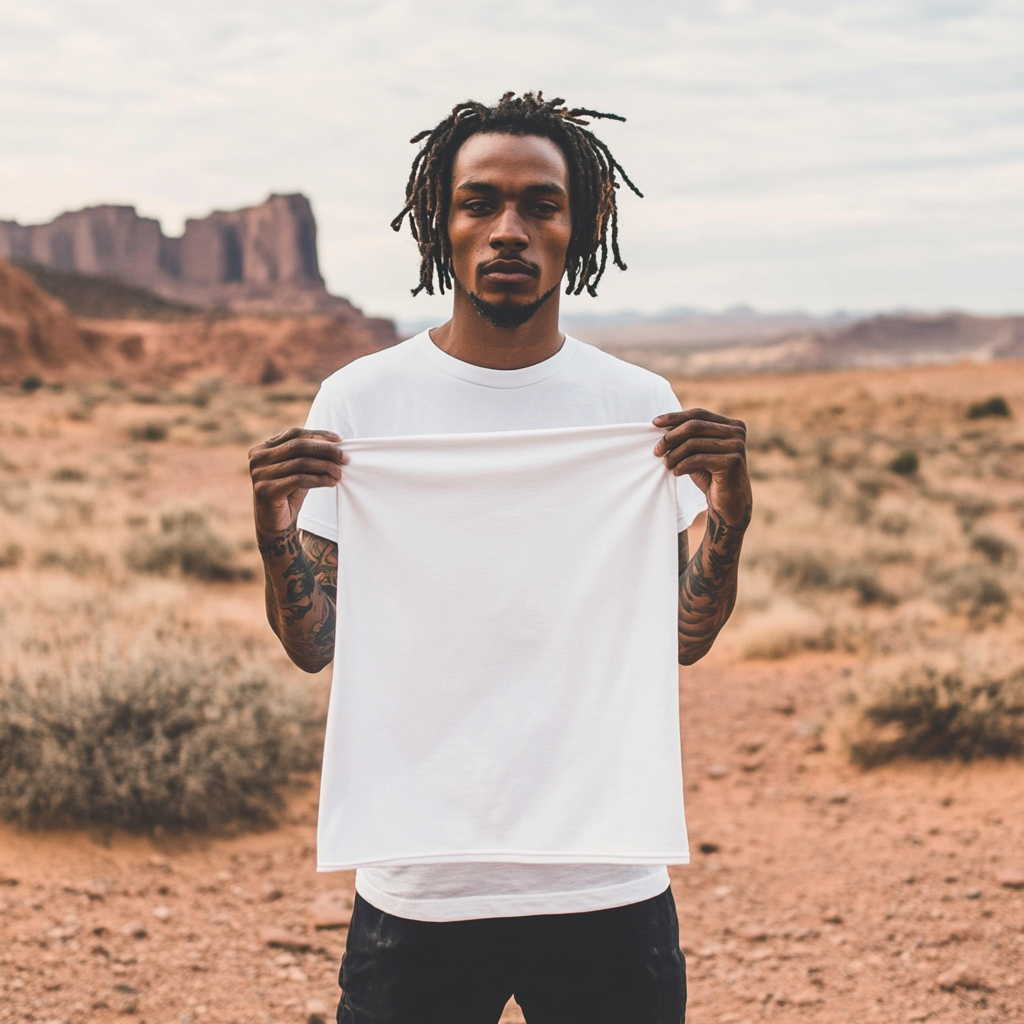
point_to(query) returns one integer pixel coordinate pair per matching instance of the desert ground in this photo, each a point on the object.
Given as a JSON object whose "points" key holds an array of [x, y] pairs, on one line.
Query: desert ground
{"points": [[834, 878]]}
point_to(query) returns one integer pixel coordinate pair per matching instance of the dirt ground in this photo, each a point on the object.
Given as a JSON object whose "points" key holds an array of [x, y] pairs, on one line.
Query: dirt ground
{"points": [[817, 892]]}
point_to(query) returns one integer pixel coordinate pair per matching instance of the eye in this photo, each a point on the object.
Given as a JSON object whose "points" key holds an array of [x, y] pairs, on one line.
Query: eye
{"points": [[478, 206], [545, 209]]}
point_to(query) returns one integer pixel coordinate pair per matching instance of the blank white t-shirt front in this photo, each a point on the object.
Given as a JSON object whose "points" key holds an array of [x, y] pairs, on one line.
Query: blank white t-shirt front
{"points": [[413, 389]]}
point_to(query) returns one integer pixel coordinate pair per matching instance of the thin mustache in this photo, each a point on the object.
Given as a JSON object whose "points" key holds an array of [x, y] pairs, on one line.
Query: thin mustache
{"points": [[532, 268]]}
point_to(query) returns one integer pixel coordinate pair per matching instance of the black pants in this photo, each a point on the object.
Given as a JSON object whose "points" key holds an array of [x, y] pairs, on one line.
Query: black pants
{"points": [[618, 966]]}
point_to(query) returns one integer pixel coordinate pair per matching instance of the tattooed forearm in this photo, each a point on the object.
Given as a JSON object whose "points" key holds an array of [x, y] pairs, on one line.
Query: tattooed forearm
{"points": [[301, 573], [707, 585]]}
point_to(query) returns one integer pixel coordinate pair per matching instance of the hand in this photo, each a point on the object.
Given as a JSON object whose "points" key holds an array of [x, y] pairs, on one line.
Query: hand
{"points": [[712, 449], [284, 469]]}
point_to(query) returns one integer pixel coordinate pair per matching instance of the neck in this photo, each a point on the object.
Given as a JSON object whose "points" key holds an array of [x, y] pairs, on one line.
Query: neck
{"points": [[469, 337]]}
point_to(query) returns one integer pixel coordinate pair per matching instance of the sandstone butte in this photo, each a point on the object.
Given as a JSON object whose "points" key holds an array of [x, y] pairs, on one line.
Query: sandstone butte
{"points": [[261, 258], [40, 338]]}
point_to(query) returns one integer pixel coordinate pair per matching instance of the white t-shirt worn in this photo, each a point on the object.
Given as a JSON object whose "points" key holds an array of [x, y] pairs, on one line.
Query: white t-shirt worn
{"points": [[415, 389]]}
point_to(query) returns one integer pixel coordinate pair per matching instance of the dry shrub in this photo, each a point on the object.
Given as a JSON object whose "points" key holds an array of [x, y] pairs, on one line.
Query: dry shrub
{"points": [[994, 406], [177, 744], [185, 545], [802, 570], [149, 430], [781, 631], [972, 591], [997, 549], [79, 561], [929, 710]]}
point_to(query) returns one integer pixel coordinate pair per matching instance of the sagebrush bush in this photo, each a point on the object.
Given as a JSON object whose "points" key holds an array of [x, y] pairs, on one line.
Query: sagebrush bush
{"points": [[925, 710], [187, 545], [994, 406], [178, 744], [905, 464]]}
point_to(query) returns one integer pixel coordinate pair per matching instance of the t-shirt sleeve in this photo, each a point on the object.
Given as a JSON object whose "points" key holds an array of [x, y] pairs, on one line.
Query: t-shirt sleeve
{"points": [[319, 512], [690, 499]]}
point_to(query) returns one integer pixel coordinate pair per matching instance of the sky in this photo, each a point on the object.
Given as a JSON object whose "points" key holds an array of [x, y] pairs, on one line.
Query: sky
{"points": [[800, 154]]}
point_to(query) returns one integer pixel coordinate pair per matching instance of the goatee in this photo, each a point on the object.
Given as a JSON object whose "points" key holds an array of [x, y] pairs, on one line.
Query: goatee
{"points": [[505, 315]]}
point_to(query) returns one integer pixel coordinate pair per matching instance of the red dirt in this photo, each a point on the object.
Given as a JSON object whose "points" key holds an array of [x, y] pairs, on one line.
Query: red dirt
{"points": [[830, 895]]}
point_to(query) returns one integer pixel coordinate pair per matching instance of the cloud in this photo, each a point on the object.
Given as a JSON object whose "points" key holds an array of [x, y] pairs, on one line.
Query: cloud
{"points": [[793, 154]]}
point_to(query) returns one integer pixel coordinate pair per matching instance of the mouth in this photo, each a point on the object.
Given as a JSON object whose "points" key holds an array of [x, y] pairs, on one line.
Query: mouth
{"points": [[509, 271]]}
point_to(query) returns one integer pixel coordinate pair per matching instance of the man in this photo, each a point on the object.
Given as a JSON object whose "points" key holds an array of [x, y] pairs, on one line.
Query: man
{"points": [[504, 202]]}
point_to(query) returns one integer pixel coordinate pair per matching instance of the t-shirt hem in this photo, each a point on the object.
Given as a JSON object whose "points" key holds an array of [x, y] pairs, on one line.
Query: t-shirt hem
{"points": [[504, 857], [471, 908]]}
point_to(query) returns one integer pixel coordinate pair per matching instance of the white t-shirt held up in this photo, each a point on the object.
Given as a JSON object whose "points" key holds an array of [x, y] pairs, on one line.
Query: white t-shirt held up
{"points": [[490, 772]]}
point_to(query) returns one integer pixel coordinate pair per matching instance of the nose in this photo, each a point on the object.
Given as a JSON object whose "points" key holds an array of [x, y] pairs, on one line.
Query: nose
{"points": [[508, 231]]}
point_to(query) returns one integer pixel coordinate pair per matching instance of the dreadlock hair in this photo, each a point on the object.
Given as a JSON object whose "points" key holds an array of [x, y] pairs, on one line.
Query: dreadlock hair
{"points": [[592, 184]]}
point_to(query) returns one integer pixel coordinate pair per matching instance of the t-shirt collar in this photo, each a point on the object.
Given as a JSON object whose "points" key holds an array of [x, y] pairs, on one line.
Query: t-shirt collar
{"points": [[487, 377]]}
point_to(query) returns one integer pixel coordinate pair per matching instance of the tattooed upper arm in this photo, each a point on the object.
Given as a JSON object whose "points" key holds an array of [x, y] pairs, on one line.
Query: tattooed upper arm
{"points": [[684, 553]]}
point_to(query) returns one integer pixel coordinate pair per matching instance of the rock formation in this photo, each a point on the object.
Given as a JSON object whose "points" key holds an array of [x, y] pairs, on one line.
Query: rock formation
{"points": [[39, 338], [262, 258]]}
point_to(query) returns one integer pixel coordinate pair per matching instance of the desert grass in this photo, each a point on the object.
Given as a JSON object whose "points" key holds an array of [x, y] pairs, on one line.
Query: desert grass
{"points": [[139, 684], [964, 706], [170, 741]]}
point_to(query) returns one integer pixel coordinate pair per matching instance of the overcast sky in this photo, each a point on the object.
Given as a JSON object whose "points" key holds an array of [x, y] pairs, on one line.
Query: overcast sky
{"points": [[794, 154]]}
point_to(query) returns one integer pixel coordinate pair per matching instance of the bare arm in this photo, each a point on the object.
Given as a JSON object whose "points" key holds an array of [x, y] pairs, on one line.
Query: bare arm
{"points": [[301, 569], [712, 449], [301, 573], [707, 587]]}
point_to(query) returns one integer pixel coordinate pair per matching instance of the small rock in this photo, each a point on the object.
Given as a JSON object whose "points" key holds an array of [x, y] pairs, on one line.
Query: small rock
{"points": [[839, 795], [751, 764], [6, 879], [1012, 879], [224, 876], [285, 960], [162, 913], [271, 892], [807, 997], [917, 1015], [832, 916], [973, 894], [960, 976], [709, 848], [296, 974], [281, 939], [331, 910], [784, 706], [716, 771], [751, 745], [134, 930], [128, 1006], [161, 862], [722, 891], [754, 933]]}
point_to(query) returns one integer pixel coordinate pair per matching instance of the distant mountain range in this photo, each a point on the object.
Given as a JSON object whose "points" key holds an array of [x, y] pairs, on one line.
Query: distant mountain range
{"points": [[740, 341]]}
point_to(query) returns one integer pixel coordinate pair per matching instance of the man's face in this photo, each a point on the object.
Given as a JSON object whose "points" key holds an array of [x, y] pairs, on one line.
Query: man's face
{"points": [[509, 223]]}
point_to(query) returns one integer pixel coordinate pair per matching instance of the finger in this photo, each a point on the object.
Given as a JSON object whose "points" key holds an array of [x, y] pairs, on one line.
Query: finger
{"points": [[298, 448], [675, 419], [709, 461], [292, 433], [696, 428], [704, 446], [268, 490], [296, 467]]}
